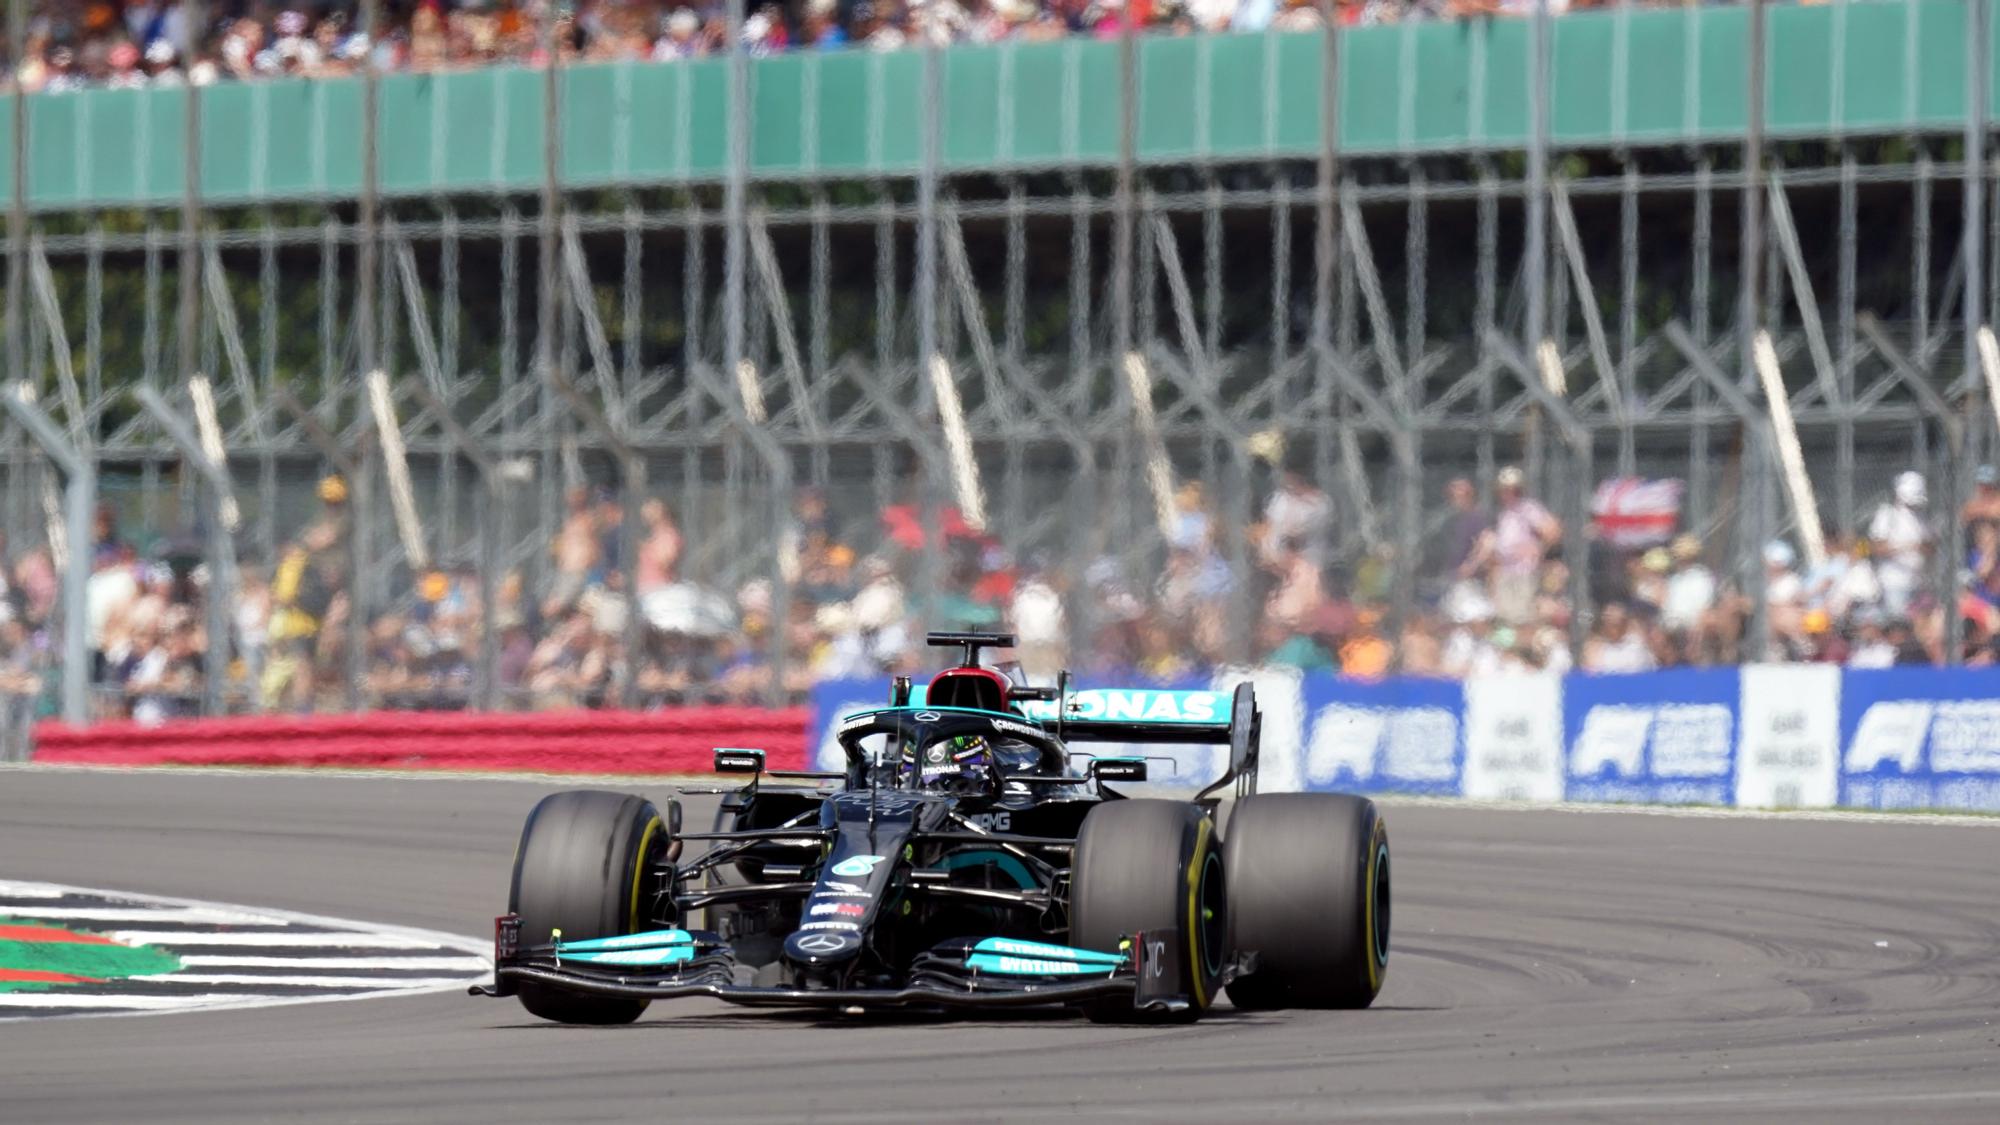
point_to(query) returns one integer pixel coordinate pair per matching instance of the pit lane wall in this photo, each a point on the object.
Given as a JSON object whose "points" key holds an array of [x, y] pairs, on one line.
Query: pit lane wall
{"points": [[1761, 736]]}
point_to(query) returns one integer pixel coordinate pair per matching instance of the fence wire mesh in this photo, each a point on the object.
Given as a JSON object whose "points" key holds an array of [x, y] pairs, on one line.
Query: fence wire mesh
{"points": [[647, 446]]}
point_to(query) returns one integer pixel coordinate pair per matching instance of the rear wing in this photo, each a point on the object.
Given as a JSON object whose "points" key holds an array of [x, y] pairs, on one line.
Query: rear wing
{"points": [[1142, 715]]}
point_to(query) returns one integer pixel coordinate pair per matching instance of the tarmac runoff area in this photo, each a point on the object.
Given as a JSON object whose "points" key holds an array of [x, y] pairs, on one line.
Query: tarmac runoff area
{"points": [[1608, 965]]}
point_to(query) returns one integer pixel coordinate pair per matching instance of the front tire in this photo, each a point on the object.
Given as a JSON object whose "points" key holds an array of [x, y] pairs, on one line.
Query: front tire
{"points": [[1309, 887], [1152, 866], [582, 868]]}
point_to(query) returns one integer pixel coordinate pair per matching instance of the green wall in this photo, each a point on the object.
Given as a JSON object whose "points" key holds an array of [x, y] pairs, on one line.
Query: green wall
{"points": [[1636, 77]]}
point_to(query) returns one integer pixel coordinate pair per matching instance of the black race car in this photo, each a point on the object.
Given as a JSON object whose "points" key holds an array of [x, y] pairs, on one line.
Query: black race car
{"points": [[960, 860]]}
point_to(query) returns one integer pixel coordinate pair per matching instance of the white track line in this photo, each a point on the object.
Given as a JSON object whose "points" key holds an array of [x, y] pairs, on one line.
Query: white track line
{"points": [[443, 964], [203, 914], [114, 1005], [168, 939], [113, 1002], [355, 984]]}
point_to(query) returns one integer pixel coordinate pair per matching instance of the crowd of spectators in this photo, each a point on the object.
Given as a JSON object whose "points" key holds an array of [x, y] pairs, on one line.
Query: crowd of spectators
{"points": [[1493, 597], [124, 43]]}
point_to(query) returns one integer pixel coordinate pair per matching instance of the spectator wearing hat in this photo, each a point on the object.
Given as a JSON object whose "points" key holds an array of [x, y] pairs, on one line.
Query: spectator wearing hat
{"points": [[1690, 591], [1649, 581], [1470, 650], [307, 596], [681, 38], [1523, 532], [1900, 541]]}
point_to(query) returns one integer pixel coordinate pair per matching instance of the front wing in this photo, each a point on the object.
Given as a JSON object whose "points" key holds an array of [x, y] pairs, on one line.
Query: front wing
{"points": [[672, 964]]}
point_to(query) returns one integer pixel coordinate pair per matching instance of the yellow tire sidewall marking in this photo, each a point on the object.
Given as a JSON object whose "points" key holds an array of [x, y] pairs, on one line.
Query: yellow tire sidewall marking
{"points": [[638, 873], [1197, 867]]}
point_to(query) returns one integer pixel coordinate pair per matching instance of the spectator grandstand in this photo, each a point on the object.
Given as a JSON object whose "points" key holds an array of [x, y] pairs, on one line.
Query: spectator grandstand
{"points": [[72, 44], [1198, 398]]}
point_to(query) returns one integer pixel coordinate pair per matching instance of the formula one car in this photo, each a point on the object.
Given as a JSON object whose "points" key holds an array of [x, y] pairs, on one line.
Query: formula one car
{"points": [[961, 860]]}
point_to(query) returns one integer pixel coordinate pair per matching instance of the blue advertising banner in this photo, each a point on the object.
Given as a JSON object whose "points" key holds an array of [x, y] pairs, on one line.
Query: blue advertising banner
{"points": [[1660, 737], [1396, 735], [1184, 766], [832, 701], [1764, 736], [1920, 738]]}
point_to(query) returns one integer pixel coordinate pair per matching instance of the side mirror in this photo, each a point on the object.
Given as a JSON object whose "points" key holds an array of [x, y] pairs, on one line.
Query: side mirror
{"points": [[732, 760], [1118, 769]]}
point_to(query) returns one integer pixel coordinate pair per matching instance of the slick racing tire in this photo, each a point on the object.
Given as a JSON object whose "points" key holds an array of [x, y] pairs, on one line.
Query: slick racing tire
{"points": [[582, 868], [1309, 896], [1154, 867]]}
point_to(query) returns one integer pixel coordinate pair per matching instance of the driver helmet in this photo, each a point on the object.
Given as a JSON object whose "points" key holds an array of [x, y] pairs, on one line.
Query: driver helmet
{"points": [[963, 763]]}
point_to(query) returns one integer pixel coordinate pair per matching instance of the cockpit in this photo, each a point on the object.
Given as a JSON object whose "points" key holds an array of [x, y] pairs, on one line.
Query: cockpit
{"points": [[948, 749]]}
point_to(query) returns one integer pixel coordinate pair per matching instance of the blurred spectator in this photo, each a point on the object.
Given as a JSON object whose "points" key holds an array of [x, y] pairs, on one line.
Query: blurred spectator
{"points": [[1690, 592], [1470, 650], [659, 551], [307, 601], [1297, 513], [1037, 618], [1298, 594], [1901, 541], [577, 551], [1366, 655], [1458, 549], [1984, 503], [135, 43], [1523, 531], [1617, 644]]}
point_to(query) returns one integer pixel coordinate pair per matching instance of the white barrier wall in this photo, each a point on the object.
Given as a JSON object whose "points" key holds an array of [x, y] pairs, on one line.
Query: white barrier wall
{"points": [[1762, 736]]}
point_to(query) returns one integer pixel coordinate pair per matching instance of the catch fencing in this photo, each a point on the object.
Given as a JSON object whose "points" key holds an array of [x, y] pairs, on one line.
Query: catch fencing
{"points": [[886, 359]]}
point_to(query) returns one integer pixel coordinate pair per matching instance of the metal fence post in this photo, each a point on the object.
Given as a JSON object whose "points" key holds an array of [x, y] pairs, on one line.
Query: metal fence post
{"points": [[79, 504], [1973, 246], [221, 547], [486, 689], [1750, 320], [926, 302], [17, 211], [368, 244]]}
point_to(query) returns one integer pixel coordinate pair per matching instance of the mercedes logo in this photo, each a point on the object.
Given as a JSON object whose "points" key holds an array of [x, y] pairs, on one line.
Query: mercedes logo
{"points": [[822, 943], [928, 716]]}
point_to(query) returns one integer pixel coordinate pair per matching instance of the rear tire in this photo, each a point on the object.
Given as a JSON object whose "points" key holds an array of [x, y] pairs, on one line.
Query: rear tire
{"points": [[581, 868], [1152, 866], [1309, 895]]}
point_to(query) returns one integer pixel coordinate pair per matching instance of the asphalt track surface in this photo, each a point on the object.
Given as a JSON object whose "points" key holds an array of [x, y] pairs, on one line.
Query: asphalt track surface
{"points": [[1547, 965]]}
